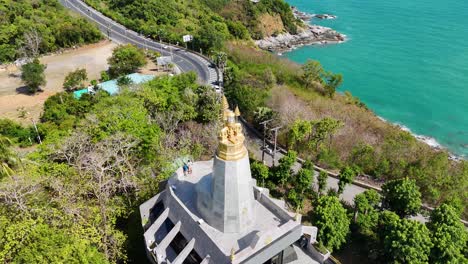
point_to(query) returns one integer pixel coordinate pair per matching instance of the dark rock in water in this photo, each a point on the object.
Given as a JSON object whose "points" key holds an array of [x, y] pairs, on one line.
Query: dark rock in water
{"points": [[324, 16], [306, 35], [301, 15]]}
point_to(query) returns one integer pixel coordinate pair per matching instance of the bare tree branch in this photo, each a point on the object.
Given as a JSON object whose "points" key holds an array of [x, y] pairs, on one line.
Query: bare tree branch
{"points": [[16, 191], [32, 43]]}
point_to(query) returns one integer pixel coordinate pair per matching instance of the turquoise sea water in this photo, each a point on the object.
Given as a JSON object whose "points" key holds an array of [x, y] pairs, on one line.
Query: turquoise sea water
{"points": [[407, 60]]}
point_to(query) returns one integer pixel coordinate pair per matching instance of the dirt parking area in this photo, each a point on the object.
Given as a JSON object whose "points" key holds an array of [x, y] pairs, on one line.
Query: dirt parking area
{"points": [[12, 91]]}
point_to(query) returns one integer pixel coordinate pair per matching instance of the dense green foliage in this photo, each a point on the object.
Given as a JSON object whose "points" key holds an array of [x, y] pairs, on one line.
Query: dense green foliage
{"points": [[346, 176], [401, 196], [322, 181], [32, 74], [6, 157], [304, 178], [29, 27], [365, 210], [64, 112], [259, 172], [314, 76], [408, 242], [282, 173], [22, 136], [32, 241], [101, 157], [302, 184], [448, 235], [125, 59], [384, 237], [312, 135], [332, 222], [378, 233]]}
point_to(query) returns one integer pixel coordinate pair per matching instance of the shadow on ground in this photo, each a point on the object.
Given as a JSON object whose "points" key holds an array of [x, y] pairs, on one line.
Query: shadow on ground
{"points": [[24, 90]]}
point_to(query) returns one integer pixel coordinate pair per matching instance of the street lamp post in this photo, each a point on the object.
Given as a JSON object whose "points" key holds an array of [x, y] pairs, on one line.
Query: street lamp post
{"points": [[264, 124], [275, 130], [108, 30]]}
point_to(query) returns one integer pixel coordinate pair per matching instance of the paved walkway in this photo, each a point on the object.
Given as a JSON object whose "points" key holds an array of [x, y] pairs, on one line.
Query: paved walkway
{"points": [[255, 145], [350, 191]]}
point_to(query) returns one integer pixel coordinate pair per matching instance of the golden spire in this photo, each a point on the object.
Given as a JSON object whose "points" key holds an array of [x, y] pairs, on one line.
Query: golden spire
{"points": [[224, 108], [236, 111], [225, 103], [231, 139]]}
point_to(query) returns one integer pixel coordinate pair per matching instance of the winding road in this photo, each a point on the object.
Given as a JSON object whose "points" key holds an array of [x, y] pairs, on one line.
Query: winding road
{"points": [[185, 60], [207, 74]]}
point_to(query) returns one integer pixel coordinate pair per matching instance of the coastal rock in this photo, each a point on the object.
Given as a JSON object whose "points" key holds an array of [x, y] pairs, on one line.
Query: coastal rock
{"points": [[324, 16], [308, 36], [301, 15]]}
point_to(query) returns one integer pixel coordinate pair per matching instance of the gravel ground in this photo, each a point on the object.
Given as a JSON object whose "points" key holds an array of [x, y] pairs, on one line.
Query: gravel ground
{"points": [[12, 92]]}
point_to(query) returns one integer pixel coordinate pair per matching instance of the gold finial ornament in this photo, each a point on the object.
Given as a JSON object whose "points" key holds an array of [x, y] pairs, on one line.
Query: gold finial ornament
{"points": [[236, 111], [225, 110], [231, 139], [225, 103], [233, 254]]}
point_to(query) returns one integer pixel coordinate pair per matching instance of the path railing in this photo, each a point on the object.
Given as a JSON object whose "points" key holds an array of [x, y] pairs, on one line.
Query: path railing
{"points": [[364, 185]]}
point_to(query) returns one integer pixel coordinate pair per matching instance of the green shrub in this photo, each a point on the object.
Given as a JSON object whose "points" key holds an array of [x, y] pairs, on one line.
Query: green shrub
{"points": [[48, 20], [105, 76], [329, 158], [24, 136]]}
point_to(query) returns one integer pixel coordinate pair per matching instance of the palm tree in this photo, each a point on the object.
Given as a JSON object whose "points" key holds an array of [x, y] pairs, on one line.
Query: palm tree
{"points": [[7, 157]]}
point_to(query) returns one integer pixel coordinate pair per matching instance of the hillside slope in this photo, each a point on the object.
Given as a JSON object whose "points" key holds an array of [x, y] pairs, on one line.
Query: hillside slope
{"points": [[29, 27], [209, 21]]}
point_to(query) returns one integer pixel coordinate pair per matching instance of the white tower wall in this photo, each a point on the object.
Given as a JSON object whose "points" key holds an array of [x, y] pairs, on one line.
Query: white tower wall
{"points": [[226, 202]]}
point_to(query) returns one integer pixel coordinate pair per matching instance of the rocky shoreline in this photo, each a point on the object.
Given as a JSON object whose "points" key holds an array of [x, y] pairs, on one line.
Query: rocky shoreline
{"points": [[308, 35]]}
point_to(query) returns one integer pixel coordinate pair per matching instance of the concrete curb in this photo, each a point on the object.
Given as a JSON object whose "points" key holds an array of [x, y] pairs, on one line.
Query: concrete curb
{"points": [[330, 173]]}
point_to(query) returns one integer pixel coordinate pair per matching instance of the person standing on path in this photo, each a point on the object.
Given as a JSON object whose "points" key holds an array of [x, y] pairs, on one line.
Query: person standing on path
{"points": [[190, 164], [185, 168]]}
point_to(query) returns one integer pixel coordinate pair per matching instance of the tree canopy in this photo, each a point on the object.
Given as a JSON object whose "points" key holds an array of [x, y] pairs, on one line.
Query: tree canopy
{"points": [[259, 172], [408, 242], [98, 162], [125, 59], [365, 210], [346, 176], [322, 181], [303, 180], [332, 222], [75, 80], [33, 241], [401, 196], [32, 74], [448, 235], [7, 160], [29, 28], [282, 172]]}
